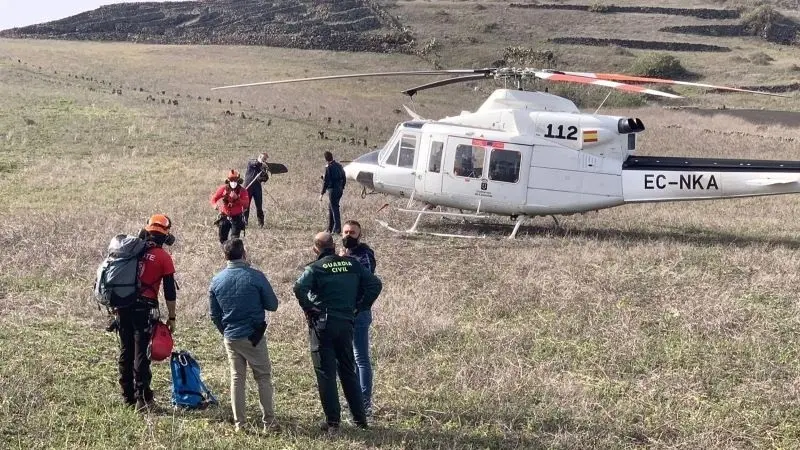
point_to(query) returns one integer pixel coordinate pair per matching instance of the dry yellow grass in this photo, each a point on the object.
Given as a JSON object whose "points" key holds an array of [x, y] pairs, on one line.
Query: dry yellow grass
{"points": [[667, 325]]}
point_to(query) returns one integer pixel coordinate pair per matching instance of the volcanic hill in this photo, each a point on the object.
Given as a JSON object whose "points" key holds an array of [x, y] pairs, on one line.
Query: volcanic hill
{"points": [[354, 25]]}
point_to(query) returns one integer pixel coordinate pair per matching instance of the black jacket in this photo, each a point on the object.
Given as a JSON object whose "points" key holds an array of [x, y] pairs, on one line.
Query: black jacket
{"points": [[335, 177], [365, 255], [255, 170]]}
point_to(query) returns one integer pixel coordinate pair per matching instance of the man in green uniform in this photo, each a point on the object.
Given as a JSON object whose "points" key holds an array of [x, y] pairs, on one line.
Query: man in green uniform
{"points": [[331, 291]]}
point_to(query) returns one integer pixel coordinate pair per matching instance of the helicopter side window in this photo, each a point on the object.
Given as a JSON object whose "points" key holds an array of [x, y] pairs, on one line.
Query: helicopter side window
{"points": [[504, 165], [408, 148], [435, 160], [392, 159], [469, 161]]}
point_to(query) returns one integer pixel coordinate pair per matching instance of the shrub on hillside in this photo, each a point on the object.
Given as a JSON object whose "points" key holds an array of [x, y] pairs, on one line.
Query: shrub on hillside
{"points": [[521, 56], [599, 8], [761, 19], [761, 59], [767, 23], [660, 65]]}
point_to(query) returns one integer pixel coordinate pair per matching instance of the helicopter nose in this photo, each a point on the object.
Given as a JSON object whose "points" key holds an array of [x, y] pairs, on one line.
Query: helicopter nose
{"points": [[362, 169], [351, 171]]}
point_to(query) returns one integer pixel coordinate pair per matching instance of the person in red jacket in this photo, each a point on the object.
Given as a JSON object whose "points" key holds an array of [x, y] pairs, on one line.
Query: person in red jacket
{"points": [[231, 199]]}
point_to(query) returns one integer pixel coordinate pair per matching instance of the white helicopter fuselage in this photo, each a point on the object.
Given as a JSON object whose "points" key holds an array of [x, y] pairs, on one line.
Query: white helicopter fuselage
{"points": [[533, 153]]}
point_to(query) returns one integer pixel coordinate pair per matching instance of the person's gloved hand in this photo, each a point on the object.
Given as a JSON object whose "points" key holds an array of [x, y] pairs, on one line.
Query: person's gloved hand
{"points": [[171, 324], [320, 196]]}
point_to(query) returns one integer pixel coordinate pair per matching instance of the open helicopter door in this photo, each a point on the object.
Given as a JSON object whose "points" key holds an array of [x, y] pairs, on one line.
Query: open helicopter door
{"points": [[429, 166]]}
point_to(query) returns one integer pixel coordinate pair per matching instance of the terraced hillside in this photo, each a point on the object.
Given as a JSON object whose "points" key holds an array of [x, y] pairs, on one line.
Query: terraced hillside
{"points": [[356, 25]]}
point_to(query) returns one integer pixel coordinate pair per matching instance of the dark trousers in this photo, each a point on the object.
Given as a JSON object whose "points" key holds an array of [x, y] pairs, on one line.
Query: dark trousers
{"points": [[332, 352], [257, 196], [334, 216], [233, 225], [134, 362]]}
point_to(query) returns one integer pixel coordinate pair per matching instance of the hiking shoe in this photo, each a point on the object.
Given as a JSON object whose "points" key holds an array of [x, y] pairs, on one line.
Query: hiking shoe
{"points": [[362, 425], [328, 427], [141, 405], [272, 427]]}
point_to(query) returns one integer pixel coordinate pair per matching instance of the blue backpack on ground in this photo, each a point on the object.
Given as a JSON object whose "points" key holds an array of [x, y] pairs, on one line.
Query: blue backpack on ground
{"points": [[188, 389]]}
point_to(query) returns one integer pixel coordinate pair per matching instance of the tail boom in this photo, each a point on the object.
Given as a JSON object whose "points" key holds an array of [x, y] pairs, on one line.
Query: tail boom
{"points": [[663, 179]]}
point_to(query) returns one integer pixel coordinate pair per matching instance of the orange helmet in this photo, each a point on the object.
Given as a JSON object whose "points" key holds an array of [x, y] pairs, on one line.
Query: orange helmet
{"points": [[158, 223], [233, 175]]}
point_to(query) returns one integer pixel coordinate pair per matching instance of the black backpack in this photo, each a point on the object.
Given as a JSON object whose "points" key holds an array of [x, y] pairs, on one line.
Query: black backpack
{"points": [[117, 284]]}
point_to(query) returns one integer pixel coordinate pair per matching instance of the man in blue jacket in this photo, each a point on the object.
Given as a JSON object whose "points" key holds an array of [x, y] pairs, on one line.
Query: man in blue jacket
{"points": [[238, 299]]}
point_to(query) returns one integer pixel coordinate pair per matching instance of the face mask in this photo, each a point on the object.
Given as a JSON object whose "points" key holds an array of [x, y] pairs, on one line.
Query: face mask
{"points": [[349, 242], [233, 184], [170, 240]]}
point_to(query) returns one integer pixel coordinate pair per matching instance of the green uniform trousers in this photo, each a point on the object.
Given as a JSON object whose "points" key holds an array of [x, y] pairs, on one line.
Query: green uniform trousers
{"points": [[332, 351]]}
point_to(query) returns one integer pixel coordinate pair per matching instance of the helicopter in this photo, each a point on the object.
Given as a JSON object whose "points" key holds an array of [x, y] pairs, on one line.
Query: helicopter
{"points": [[524, 154]]}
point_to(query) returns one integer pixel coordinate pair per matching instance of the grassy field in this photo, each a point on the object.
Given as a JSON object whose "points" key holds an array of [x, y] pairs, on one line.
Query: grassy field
{"points": [[658, 326]]}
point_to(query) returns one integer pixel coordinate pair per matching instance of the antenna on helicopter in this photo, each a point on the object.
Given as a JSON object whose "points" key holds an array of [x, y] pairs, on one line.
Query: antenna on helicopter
{"points": [[603, 102]]}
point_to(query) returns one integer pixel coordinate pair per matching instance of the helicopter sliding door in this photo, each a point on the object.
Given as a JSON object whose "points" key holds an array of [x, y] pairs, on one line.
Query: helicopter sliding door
{"points": [[485, 172]]}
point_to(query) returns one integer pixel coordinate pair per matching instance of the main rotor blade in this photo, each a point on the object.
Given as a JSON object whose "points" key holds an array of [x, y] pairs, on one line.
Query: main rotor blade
{"points": [[439, 83], [636, 79], [554, 76], [361, 75]]}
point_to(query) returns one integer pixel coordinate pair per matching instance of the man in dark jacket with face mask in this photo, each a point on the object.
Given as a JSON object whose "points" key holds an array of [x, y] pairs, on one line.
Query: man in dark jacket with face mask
{"points": [[331, 291], [354, 248]]}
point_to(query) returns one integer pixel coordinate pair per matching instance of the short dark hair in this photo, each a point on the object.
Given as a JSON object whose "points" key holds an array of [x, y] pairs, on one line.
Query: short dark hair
{"points": [[352, 222], [233, 248], [328, 156]]}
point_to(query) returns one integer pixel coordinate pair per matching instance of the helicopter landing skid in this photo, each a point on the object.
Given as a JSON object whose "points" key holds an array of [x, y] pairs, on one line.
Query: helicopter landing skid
{"points": [[425, 210], [384, 224]]}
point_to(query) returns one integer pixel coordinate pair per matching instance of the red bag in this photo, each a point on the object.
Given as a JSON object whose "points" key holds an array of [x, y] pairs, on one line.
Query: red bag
{"points": [[160, 342]]}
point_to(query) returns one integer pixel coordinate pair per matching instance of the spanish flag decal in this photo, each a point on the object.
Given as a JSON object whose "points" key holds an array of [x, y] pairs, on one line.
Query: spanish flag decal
{"points": [[589, 136]]}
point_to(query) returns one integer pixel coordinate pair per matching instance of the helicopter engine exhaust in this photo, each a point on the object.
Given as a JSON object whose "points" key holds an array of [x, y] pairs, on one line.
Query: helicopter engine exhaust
{"points": [[626, 126]]}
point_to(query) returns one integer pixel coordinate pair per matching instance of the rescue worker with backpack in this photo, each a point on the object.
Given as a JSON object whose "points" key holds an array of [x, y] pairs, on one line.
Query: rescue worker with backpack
{"points": [[233, 201], [128, 282]]}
